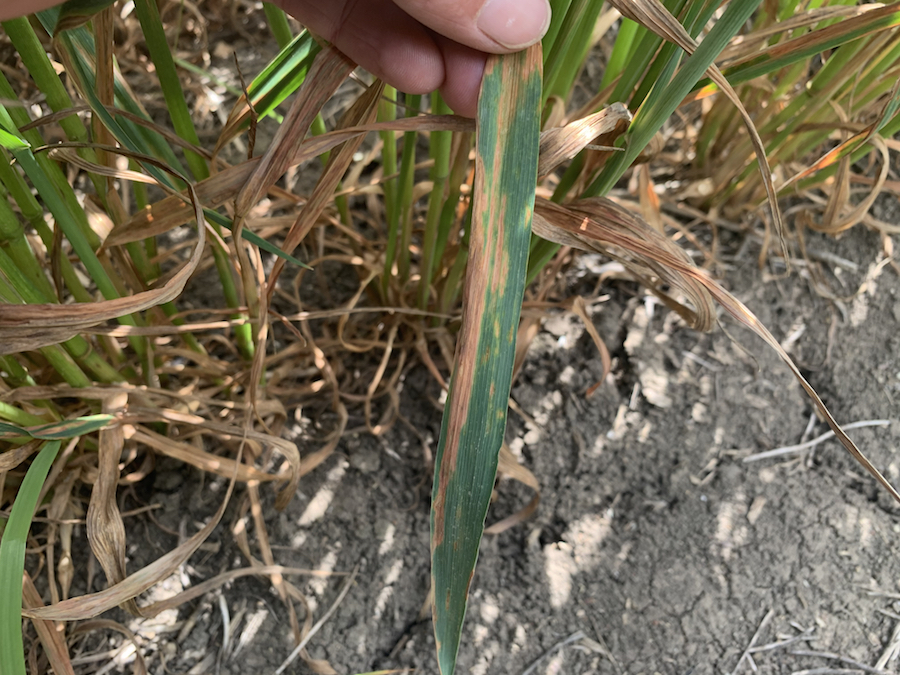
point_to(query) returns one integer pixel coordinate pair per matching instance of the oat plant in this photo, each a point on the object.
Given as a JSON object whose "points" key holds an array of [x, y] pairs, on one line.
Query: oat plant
{"points": [[107, 212]]}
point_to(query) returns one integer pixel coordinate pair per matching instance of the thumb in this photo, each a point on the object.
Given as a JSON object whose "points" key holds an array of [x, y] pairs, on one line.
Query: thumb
{"points": [[9, 9], [494, 26]]}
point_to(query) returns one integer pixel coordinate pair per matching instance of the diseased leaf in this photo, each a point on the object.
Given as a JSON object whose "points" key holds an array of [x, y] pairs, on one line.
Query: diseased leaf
{"points": [[75, 13], [585, 226], [506, 160], [58, 430]]}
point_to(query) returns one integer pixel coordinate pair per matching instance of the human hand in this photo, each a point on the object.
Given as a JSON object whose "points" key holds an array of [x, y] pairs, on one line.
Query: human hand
{"points": [[417, 46]]}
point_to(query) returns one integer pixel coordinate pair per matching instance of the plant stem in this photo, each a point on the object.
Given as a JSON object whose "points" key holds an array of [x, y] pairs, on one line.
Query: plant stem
{"points": [[278, 23], [407, 183], [439, 148], [387, 112]]}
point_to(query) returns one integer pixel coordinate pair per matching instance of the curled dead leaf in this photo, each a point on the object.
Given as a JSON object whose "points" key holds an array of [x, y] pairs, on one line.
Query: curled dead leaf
{"points": [[599, 225]]}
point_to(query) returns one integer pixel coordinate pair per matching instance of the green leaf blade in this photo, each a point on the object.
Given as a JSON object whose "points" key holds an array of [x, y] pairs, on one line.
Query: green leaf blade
{"points": [[284, 75], [663, 101], [12, 560], [475, 417], [58, 431]]}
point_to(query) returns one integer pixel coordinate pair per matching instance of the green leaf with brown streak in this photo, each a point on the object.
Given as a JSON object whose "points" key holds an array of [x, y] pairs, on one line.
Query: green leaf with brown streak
{"points": [[507, 143], [75, 13], [56, 431]]}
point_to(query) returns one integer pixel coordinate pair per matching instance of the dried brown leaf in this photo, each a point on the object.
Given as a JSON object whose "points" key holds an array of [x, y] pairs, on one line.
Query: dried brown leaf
{"points": [[94, 604], [861, 136], [581, 231], [362, 112], [140, 666], [28, 327], [580, 309], [508, 466], [833, 223], [52, 640], [599, 224], [650, 207], [868, 15], [747, 47], [211, 584], [329, 69], [285, 448], [176, 211], [11, 458], [105, 529], [563, 143], [65, 152], [214, 191], [196, 457], [655, 17]]}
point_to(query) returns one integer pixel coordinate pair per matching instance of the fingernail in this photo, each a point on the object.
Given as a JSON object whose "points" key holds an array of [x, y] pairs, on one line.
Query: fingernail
{"points": [[514, 24]]}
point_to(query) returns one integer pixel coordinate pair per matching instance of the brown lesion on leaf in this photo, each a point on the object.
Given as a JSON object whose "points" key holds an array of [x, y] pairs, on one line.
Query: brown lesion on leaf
{"points": [[487, 279], [485, 276], [457, 408]]}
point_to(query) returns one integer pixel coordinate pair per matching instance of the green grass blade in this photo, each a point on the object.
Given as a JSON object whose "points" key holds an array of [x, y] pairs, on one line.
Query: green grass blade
{"points": [[660, 72], [817, 42], [65, 216], [890, 109], [458, 171], [559, 10], [407, 183], [663, 101], [508, 130], [564, 84], [12, 561], [78, 44], [226, 223], [645, 44], [569, 47], [387, 110], [13, 414], [542, 252], [622, 50], [399, 220], [22, 289], [15, 117], [278, 23], [11, 142], [284, 75], [172, 88], [57, 431], [440, 146], [127, 139], [35, 59]]}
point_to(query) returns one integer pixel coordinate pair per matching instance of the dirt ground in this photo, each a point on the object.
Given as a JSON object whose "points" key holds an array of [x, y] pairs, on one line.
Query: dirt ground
{"points": [[655, 548]]}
